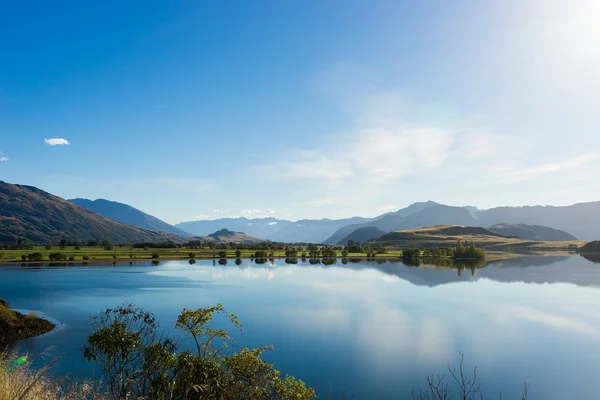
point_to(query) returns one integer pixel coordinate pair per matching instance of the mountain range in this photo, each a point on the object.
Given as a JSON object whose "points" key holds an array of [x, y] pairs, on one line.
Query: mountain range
{"points": [[35, 215], [31, 213], [280, 230], [577, 221]]}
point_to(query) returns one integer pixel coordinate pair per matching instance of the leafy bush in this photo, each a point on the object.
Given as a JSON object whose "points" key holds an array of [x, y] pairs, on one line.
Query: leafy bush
{"points": [[24, 257], [468, 252], [57, 256], [411, 253], [155, 255], [222, 254], [37, 256], [192, 255], [86, 257], [137, 362]]}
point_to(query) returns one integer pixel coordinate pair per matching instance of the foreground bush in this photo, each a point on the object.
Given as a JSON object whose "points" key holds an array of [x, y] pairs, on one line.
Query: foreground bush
{"points": [[138, 362]]}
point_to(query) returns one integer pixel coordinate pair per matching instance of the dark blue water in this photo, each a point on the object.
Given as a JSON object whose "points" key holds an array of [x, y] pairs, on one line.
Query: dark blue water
{"points": [[364, 329]]}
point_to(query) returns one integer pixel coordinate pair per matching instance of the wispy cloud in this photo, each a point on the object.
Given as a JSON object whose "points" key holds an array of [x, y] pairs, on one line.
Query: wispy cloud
{"points": [[571, 164], [218, 211], [57, 142], [2, 158], [396, 144]]}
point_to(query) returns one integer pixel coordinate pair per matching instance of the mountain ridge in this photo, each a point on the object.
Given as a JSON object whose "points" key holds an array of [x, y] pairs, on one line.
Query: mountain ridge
{"points": [[129, 215], [30, 213]]}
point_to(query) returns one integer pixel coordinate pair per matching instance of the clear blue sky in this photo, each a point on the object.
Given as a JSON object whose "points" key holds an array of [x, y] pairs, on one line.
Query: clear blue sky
{"points": [[301, 109]]}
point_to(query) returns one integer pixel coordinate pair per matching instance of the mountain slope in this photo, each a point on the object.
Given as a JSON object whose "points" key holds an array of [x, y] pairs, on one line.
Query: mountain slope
{"points": [[447, 236], [362, 235], [532, 232], [591, 248], [30, 213], [128, 215]]}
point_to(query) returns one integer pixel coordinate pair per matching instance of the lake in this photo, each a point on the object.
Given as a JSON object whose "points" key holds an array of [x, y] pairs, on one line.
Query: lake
{"points": [[365, 329]]}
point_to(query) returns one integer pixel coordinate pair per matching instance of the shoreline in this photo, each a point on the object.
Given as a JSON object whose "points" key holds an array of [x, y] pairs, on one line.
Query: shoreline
{"points": [[15, 325], [491, 256]]}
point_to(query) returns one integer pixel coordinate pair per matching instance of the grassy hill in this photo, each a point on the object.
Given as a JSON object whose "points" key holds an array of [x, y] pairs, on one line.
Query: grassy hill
{"points": [[591, 248], [227, 236], [35, 215], [531, 232], [362, 235], [128, 215], [448, 235]]}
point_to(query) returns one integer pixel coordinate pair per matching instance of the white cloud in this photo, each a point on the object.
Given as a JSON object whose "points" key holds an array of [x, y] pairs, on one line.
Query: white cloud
{"points": [[203, 216], [2, 158], [256, 212], [272, 223], [57, 142], [220, 211], [288, 215]]}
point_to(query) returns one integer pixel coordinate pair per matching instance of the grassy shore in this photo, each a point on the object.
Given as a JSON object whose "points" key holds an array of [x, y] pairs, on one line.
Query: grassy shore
{"points": [[125, 254], [99, 254]]}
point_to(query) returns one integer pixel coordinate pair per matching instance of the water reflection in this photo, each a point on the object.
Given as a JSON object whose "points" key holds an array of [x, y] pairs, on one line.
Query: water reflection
{"points": [[369, 329]]}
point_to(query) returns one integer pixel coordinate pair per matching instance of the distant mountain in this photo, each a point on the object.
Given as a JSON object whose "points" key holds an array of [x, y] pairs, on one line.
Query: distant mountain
{"points": [[580, 220], [386, 222], [279, 230], [227, 236], [447, 236], [30, 213], [532, 232], [128, 215], [362, 235], [415, 216]]}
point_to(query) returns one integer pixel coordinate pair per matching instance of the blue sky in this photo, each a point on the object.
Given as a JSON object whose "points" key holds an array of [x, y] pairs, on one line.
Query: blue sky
{"points": [[302, 109]]}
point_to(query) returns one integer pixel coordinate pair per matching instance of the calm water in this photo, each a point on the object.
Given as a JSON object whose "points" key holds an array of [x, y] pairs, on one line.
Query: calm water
{"points": [[364, 329]]}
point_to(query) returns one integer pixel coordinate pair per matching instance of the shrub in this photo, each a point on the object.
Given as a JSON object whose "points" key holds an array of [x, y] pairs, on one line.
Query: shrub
{"points": [[192, 255], [48, 247], [35, 256], [137, 362], [155, 255], [24, 257], [86, 257], [57, 256], [222, 254], [238, 253], [71, 258]]}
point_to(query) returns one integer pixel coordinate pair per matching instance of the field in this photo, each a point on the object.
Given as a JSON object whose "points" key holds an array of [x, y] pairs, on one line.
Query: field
{"points": [[124, 253]]}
